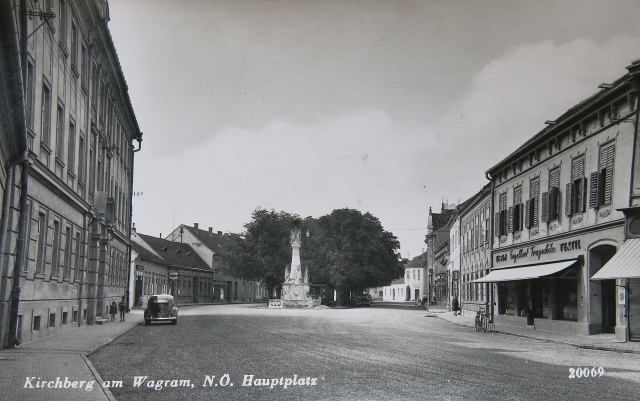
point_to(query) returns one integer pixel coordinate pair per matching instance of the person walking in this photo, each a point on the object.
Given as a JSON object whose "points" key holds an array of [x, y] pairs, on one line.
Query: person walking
{"points": [[455, 305], [123, 308], [113, 309]]}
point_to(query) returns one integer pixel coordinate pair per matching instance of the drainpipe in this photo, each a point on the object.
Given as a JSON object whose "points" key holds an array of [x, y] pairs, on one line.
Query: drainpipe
{"points": [[20, 245], [15, 65], [139, 139]]}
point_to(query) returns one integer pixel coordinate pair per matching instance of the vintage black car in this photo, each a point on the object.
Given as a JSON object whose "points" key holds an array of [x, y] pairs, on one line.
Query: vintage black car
{"points": [[364, 300], [161, 308]]}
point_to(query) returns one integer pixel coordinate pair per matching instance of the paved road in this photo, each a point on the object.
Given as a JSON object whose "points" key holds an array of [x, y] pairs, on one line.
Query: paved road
{"points": [[372, 353]]}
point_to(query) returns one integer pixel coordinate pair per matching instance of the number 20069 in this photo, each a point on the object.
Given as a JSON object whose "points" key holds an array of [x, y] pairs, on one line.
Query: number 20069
{"points": [[578, 373]]}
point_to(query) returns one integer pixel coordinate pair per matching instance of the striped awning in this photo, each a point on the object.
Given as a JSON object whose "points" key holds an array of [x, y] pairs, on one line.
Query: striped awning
{"points": [[525, 272], [624, 264]]}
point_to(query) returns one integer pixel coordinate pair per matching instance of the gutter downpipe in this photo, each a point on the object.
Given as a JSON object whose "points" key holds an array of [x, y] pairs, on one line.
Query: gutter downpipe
{"points": [[16, 45], [491, 294], [139, 139]]}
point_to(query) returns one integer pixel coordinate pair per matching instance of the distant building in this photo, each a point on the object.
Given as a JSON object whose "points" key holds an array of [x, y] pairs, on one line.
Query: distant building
{"points": [[437, 240], [415, 279], [211, 246], [395, 292]]}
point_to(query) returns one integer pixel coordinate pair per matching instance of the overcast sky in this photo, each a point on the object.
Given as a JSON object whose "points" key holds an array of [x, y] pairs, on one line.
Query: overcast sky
{"points": [[383, 106]]}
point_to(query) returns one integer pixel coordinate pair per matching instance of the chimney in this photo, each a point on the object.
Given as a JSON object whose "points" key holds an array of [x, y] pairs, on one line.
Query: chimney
{"points": [[195, 225], [160, 235], [219, 232], [133, 228], [210, 230]]}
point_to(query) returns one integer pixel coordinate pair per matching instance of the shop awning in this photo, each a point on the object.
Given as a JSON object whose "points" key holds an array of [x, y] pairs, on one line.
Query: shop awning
{"points": [[524, 272], [624, 264]]}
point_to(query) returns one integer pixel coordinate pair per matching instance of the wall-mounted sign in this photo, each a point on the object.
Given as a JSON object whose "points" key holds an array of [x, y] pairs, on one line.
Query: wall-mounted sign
{"points": [[138, 267], [540, 252]]}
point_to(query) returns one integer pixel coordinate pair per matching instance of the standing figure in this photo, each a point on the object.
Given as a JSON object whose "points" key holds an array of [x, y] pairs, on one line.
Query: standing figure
{"points": [[123, 308], [113, 309], [455, 305]]}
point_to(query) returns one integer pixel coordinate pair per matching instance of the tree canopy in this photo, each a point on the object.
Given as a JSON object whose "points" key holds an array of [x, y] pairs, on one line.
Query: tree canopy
{"points": [[346, 248]]}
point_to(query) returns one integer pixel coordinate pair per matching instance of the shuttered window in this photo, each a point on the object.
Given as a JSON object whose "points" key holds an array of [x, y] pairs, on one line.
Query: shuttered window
{"points": [[534, 197], [501, 220], [551, 199], [601, 181]]}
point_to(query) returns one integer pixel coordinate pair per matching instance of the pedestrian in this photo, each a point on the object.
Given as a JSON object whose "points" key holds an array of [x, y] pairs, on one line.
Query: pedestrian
{"points": [[113, 309], [123, 308], [455, 305]]}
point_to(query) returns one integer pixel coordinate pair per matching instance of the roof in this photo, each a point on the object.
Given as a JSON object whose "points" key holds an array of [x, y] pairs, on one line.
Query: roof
{"points": [[144, 250], [398, 281], [218, 243], [176, 254], [560, 125], [441, 219], [418, 261]]}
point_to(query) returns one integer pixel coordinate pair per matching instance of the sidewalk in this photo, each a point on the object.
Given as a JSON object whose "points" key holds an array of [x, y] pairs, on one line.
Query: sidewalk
{"points": [[62, 356], [603, 342]]}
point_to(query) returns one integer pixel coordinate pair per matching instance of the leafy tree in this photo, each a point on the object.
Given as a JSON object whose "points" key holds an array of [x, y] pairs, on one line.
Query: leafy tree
{"points": [[352, 251], [346, 248], [263, 251]]}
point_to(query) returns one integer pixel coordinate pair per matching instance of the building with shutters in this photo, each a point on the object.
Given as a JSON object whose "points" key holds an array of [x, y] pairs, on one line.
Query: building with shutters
{"points": [[559, 205], [475, 251], [65, 240]]}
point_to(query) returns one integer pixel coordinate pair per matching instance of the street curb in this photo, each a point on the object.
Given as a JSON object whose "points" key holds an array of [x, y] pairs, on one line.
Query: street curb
{"points": [[98, 378], [111, 340], [579, 346]]}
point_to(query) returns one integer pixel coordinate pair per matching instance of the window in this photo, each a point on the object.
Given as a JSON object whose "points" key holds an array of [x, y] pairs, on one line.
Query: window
{"points": [[75, 316], [501, 217], [576, 190], [516, 212], [67, 252], [56, 248], [418, 274], [64, 317], [63, 23], [81, 158], [42, 231], [74, 45], [36, 323], [602, 180], [551, 199], [531, 205], [45, 116], [72, 148], [52, 320], [29, 94]]}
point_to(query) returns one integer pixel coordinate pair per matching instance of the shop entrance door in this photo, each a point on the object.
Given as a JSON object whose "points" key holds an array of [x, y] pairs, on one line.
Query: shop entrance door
{"points": [[608, 306]]}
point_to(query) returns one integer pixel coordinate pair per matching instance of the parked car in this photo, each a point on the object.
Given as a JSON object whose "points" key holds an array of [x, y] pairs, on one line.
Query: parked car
{"points": [[364, 299], [161, 308]]}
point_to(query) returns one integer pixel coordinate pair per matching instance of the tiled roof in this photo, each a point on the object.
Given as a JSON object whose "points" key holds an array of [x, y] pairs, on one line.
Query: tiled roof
{"points": [[572, 112], [218, 243], [439, 220], [418, 261], [398, 281], [175, 253], [144, 250]]}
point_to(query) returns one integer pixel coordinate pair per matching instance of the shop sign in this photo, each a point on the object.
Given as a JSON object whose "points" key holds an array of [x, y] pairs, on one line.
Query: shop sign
{"points": [[534, 253], [138, 267]]}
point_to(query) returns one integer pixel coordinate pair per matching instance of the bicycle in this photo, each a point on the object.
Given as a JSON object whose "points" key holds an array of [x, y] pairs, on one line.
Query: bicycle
{"points": [[483, 321]]}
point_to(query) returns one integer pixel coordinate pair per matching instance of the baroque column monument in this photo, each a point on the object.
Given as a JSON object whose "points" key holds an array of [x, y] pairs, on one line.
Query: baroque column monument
{"points": [[295, 289]]}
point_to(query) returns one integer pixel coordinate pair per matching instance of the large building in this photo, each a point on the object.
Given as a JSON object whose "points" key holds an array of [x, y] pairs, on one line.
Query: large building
{"points": [[437, 240], [475, 251], [65, 233], [559, 204]]}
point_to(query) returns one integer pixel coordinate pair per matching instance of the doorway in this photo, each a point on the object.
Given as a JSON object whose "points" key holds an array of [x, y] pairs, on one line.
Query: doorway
{"points": [[599, 256]]}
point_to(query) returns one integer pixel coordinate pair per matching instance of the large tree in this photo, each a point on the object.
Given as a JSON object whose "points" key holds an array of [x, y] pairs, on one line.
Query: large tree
{"points": [[346, 249], [352, 251], [263, 251]]}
